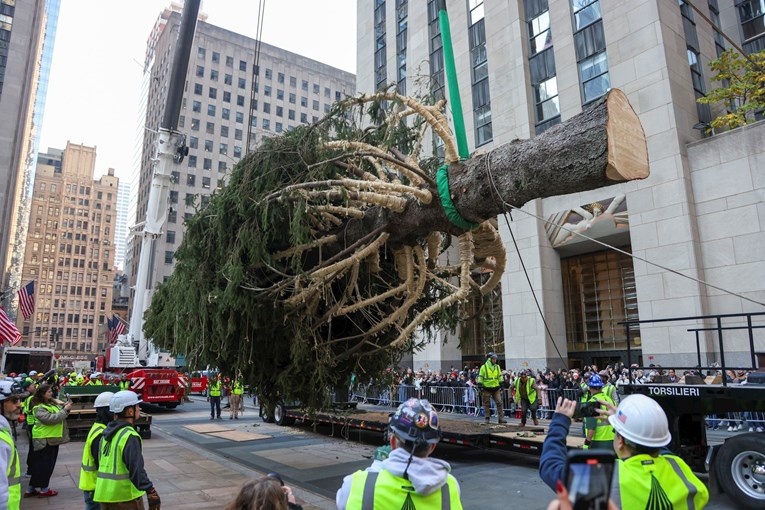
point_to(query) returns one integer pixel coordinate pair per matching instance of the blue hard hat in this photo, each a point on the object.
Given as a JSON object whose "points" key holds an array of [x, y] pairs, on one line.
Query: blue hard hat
{"points": [[595, 381], [415, 422], [492, 355]]}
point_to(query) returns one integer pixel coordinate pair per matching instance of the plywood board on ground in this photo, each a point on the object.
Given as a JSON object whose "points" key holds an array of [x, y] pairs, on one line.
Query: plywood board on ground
{"points": [[571, 441], [206, 428], [239, 436]]}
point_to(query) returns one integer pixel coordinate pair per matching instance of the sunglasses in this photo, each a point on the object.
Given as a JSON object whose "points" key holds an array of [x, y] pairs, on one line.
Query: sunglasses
{"points": [[14, 400]]}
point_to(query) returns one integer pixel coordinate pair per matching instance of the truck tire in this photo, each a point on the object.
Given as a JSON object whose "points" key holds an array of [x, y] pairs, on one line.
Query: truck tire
{"points": [[171, 405], [265, 414], [740, 469], [280, 415]]}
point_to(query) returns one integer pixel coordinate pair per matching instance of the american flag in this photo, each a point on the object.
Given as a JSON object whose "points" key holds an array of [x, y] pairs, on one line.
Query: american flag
{"points": [[116, 327], [8, 330], [27, 299]]}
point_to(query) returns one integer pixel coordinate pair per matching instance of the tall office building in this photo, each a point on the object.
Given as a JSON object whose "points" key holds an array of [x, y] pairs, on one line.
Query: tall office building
{"points": [[27, 36], [233, 94], [120, 228], [525, 66], [70, 254]]}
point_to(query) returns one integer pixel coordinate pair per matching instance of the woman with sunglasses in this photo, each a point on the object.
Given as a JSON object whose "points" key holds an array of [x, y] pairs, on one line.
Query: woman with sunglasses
{"points": [[49, 432]]}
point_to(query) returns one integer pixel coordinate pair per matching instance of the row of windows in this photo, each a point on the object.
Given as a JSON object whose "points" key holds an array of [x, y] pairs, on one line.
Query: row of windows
{"points": [[544, 83], [380, 55], [480, 73], [402, 13], [196, 107]]}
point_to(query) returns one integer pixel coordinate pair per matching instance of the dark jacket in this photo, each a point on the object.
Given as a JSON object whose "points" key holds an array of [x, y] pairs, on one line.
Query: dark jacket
{"points": [[132, 455], [552, 464]]}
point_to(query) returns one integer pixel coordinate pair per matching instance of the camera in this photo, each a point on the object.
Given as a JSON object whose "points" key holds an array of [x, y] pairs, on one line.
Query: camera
{"points": [[588, 479], [586, 410]]}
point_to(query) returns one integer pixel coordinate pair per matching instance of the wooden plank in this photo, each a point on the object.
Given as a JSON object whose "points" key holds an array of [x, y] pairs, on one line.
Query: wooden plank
{"points": [[206, 428], [239, 436]]}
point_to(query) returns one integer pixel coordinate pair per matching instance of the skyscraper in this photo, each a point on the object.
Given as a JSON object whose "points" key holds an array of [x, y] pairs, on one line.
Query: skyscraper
{"points": [[233, 94], [70, 254], [27, 36], [526, 66]]}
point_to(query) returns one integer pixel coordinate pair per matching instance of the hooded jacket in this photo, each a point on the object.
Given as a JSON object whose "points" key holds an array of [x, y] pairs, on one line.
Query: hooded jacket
{"points": [[426, 474], [132, 455]]}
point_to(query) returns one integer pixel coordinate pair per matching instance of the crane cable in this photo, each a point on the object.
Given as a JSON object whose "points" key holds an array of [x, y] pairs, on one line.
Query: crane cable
{"points": [[258, 37]]}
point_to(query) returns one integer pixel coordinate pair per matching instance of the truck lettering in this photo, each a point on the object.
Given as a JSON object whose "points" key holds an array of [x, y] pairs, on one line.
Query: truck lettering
{"points": [[161, 381], [674, 391]]}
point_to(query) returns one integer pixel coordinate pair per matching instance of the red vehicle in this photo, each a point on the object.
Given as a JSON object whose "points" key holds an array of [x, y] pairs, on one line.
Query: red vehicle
{"points": [[162, 386], [199, 382]]}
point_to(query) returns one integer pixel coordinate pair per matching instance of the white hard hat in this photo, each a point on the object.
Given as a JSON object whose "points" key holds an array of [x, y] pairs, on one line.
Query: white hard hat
{"points": [[33, 372], [641, 420], [104, 399], [123, 399]]}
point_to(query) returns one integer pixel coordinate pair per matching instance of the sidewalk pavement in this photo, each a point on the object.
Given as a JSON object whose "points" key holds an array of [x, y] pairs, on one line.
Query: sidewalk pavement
{"points": [[186, 477]]}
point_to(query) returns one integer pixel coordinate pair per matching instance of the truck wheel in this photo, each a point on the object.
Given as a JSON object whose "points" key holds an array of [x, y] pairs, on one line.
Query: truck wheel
{"points": [[171, 405], [740, 468], [266, 415], [280, 415]]}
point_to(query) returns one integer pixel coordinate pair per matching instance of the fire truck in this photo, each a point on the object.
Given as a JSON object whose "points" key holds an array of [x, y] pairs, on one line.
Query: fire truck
{"points": [[152, 372]]}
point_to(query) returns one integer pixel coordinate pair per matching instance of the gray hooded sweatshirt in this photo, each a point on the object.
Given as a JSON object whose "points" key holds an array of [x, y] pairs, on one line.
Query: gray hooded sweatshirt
{"points": [[427, 475]]}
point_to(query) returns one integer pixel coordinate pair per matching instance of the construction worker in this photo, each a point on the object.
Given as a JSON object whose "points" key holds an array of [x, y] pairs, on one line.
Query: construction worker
{"points": [[121, 480], [10, 479], [526, 396], [609, 389], [490, 379], [124, 382], [214, 394], [94, 381], [235, 399], [643, 476], [89, 469], [72, 379], [29, 419], [409, 477], [598, 432]]}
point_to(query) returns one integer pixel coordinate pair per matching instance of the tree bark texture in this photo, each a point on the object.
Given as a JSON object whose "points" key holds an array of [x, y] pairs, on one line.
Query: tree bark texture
{"points": [[601, 146]]}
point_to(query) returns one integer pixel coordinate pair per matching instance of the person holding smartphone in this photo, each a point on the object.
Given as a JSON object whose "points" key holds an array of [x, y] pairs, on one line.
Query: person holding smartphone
{"points": [[645, 473]]}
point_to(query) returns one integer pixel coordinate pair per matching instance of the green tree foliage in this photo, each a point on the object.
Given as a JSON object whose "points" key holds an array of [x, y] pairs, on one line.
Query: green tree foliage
{"points": [[743, 90], [227, 301]]}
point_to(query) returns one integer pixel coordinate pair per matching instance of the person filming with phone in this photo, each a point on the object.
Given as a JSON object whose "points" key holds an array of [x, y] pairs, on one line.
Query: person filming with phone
{"points": [[645, 474]]}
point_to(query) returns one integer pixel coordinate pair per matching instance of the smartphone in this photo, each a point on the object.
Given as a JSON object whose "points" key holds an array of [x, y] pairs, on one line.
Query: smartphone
{"points": [[588, 479]]}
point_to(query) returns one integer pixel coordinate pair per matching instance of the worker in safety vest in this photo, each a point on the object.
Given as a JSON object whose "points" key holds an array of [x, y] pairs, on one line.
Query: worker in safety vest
{"points": [[124, 382], [29, 418], [235, 399], [598, 432], [644, 477], [89, 468], [609, 389], [10, 479], [409, 477], [72, 379], [526, 396], [214, 393], [489, 380], [121, 477]]}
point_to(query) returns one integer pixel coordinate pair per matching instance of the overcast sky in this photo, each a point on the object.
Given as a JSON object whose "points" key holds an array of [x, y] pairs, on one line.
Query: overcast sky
{"points": [[99, 52]]}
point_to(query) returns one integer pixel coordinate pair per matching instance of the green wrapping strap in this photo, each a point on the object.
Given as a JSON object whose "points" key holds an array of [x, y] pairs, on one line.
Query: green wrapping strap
{"points": [[451, 81], [442, 179]]}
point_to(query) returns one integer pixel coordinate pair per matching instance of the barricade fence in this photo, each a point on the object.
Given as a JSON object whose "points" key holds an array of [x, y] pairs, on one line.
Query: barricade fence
{"points": [[469, 400]]}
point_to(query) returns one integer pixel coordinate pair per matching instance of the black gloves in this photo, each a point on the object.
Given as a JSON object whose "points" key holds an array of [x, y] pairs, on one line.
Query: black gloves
{"points": [[153, 497]]}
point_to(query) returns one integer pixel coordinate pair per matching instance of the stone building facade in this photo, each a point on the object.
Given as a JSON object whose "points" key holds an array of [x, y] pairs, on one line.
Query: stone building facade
{"points": [[70, 254], [526, 65]]}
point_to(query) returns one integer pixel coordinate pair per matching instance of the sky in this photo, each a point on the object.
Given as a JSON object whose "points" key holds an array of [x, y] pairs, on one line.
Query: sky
{"points": [[99, 51]]}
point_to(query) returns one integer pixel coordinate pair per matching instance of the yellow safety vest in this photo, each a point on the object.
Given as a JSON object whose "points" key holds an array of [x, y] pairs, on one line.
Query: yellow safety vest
{"points": [[41, 430], [215, 389], [30, 417], [530, 391], [603, 430], [370, 490], [237, 390], [664, 481], [490, 376], [113, 483], [124, 385], [88, 469], [13, 473]]}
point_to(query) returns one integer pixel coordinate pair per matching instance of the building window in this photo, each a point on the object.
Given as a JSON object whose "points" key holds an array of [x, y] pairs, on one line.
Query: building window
{"points": [[170, 237], [229, 61], [266, 124], [237, 151], [227, 79], [280, 77], [211, 110], [207, 164], [223, 148], [225, 114], [242, 65], [590, 46], [267, 90], [241, 83], [221, 166], [213, 93], [291, 98], [215, 57], [693, 52], [201, 52], [293, 81], [751, 13], [226, 97], [193, 142], [598, 293], [304, 85], [380, 64], [213, 75], [239, 117], [315, 105], [436, 54], [206, 182], [200, 71], [480, 74], [198, 89], [191, 180], [169, 257], [240, 100], [210, 128], [192, 161], [208, 145], [224, 131]]}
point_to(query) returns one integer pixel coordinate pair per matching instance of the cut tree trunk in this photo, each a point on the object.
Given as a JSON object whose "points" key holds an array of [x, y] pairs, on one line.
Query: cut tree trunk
{"points": [[601, 146]]}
